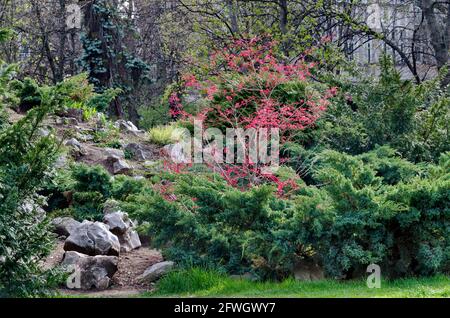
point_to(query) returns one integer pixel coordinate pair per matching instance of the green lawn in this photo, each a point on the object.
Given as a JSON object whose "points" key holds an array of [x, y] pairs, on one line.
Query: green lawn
{"points": [[200, 283]]}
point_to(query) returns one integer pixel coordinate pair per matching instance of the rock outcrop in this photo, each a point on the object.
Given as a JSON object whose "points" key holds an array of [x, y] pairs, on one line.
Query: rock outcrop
{"points": [[88, 272], [120, 224], [64, 226], [116, 165], [127, 127], [156, 271], [136, 151], [93, 239]]}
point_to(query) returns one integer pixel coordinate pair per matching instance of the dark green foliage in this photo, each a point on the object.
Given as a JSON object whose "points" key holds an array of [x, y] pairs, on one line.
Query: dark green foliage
{"points": [[101, 102], [29, 93], [403, 228], [125, 186], [88, 206], [92, 187], [5, 34], [372, 208], [6, 73], [92, 179], [154, 115], [212, 224], [25, 160], [390, 111], [390, 167]]}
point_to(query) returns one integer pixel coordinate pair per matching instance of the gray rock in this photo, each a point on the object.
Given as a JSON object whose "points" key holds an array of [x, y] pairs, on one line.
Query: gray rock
{"points": [[129, 241], [150, 163], [29, 206], [64, 226], [156, 271], [117, 153], [129, 127], [120, 224], [88, 272], [116, 164], [86, 137], [176, 153], [74, 143], [61, 162], [126, 126], [74, 113], [93, 239], [43, 132], [68, 121], [136, 151], [121, 167]]}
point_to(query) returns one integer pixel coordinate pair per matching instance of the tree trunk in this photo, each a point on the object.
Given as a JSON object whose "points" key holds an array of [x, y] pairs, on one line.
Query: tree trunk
{"points": [[439, 35], [233, 17]]}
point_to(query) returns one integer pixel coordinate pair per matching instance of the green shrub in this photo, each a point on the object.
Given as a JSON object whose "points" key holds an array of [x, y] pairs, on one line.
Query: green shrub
{"points": [[403, 228], [6, 95], [358, 210], [25, 161], [76, 92], [93, 186], [101, 102], [387, 111], [214, 225], [92, 179], [125, 186], [153, 116], [29, 94], [388, 165], [88, 206]]}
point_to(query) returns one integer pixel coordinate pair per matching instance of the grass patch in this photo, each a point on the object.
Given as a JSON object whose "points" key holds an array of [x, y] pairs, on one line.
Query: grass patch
{"points": [[203, 283], [165, 135]]}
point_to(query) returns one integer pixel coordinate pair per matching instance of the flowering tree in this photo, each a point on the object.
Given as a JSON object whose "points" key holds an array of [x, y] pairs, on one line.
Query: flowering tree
{"points": [[248, 87]]}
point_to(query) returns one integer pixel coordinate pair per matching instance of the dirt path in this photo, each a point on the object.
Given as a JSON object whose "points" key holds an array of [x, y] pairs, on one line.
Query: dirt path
{"points": [[124, 282]]}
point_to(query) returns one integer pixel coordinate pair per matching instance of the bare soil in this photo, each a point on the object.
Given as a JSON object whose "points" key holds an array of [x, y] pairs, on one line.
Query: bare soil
{"points": [[125, 282]]}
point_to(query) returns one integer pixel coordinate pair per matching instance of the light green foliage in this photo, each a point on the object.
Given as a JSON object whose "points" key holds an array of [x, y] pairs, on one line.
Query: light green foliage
{"points": [[164, 135], [78, 93], [206, 283]]}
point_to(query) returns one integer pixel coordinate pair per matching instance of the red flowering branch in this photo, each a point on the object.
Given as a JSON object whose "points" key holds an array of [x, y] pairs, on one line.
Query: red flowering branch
{"points": [[252, 88]]}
